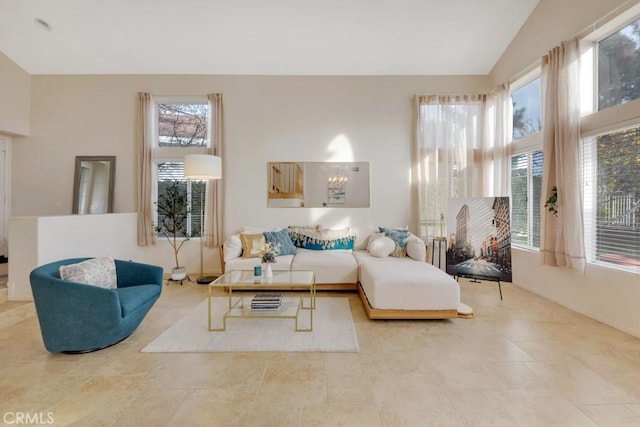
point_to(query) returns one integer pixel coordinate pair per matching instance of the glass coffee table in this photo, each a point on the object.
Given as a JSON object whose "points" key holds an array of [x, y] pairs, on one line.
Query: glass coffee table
{"points": [[240, 305]]}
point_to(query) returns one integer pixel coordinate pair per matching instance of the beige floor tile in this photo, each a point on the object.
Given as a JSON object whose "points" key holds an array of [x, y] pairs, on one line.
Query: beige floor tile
{"points": [[612, 415], [579, 384], [341, 416], [274, 416], [97, 402], [515, 375], [211, 408], [412, 399], [516, 407], [152, 408], [293, 383]]}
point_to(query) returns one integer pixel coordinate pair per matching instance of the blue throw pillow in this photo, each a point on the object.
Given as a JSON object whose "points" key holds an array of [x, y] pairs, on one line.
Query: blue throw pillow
{"points": [[282, 239]]}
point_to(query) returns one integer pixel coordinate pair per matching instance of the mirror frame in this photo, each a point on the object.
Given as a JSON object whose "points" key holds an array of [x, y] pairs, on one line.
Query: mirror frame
{"points": [[77, 175]]}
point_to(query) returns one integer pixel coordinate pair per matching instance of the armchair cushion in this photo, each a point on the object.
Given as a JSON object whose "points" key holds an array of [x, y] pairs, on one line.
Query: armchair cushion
{"points": [[134, 297]]}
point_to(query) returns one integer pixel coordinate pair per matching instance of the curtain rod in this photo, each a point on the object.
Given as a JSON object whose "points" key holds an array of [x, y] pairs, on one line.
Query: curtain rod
{"points": [[181, 93], [607, 18]]}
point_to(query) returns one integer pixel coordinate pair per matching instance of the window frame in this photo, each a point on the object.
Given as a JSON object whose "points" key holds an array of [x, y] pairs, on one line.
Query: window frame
{"points": [[596, 122], [175, 154]]}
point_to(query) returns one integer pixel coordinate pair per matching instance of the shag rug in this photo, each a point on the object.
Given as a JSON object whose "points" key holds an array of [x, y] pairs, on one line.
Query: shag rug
{"points": [[333, 331]]}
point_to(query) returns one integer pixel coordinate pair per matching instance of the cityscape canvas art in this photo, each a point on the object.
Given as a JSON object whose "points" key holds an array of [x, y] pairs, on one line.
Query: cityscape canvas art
{"points": [[479, 242]]}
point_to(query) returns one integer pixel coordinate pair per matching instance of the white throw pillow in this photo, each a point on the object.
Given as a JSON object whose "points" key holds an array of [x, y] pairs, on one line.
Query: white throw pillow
{"points": [[232, 247], [99, 272], [372, 238], [416, 248], [382, 247]]}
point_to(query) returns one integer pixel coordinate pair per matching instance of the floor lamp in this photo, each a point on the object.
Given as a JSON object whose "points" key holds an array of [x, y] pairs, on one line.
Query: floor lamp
{"points": [[202, 167]]}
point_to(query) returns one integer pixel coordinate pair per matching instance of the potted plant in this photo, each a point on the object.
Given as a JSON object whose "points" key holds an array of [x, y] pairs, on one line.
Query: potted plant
{"points": [[552, 201], [268, 257], [173, 209]]}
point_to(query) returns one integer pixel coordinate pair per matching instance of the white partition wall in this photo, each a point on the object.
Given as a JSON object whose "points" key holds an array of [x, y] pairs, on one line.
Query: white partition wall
{"points": [[34, 241]]}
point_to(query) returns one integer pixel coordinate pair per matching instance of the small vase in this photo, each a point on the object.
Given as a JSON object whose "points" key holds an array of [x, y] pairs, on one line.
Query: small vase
{"points": [[268, 273]]}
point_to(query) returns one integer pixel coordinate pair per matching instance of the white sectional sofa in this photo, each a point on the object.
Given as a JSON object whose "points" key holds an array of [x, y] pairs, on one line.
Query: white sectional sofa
{"points": [[403, 286]]}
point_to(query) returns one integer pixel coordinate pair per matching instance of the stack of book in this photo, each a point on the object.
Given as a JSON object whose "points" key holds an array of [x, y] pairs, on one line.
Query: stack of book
{"points": [[266, 301]]}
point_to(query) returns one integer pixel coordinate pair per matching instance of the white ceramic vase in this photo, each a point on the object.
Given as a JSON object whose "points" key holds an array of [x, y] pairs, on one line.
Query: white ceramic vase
{"points": [[268, 273]]}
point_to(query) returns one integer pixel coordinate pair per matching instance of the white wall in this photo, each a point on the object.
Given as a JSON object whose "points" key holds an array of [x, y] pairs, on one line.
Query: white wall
{"points": [[15, 87], [266, 119], [610, 296]]}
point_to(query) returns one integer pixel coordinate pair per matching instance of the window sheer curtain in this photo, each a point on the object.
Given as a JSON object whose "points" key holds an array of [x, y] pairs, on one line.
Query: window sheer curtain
{"points": [[562, 237], [497, 134], [144, 151], [460, 152], [213, 216]]}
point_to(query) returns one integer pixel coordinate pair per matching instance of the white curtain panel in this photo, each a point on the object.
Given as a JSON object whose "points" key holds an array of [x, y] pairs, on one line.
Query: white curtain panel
{"points": [[144, 148], [497, 134], [562, 236], [213, 216]]}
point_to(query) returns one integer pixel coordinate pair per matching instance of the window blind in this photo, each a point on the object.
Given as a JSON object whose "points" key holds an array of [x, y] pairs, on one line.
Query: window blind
{"points": [[611, 175]]}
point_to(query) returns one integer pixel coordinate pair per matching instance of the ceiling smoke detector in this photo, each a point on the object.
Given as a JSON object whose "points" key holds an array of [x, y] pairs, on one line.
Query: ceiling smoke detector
{"points": [[42, 24]]}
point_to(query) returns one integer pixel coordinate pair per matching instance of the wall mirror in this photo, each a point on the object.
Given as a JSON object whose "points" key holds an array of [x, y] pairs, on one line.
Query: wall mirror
{"points": [[93, 184], [318, 184]]}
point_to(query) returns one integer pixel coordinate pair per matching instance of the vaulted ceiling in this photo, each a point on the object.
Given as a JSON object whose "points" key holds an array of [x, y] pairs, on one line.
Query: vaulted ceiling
{"points": [[273, 37]]}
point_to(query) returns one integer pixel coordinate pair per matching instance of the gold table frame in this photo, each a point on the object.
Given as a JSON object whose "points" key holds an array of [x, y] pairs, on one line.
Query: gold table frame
{"points": [[282, 280]]}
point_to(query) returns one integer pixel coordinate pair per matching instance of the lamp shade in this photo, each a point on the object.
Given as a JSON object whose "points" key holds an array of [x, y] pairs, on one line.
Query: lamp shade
{"points": [[202, 166]]}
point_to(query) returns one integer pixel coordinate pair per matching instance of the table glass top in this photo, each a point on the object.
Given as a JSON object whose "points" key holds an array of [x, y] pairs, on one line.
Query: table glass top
{"points": [[246, 278]]}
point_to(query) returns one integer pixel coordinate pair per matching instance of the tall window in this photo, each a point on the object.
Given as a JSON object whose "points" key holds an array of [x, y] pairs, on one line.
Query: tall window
{"points": [[449, 145], [526, 190], [182, 128], [612, 198], [527, 118], [611, 151], [527, 162]]}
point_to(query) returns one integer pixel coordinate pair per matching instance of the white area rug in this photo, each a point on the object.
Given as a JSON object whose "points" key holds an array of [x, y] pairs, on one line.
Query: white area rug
{"points": [[333, 331]]}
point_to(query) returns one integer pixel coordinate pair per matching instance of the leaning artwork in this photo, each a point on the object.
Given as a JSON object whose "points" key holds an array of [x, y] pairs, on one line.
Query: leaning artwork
{"points": [[479, 238]]}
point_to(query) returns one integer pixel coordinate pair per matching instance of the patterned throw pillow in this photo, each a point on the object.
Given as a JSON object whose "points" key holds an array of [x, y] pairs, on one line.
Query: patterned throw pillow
{"points": [[400, 239], [282, 240], [99, 272], [322, 239]]}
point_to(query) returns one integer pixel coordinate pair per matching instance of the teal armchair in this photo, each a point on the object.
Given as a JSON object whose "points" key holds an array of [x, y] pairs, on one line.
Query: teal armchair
{"points": [[79, 318]]}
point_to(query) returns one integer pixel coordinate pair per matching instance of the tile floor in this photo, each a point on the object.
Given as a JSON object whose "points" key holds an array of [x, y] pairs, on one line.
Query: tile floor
{"points": [[524, 361]]}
